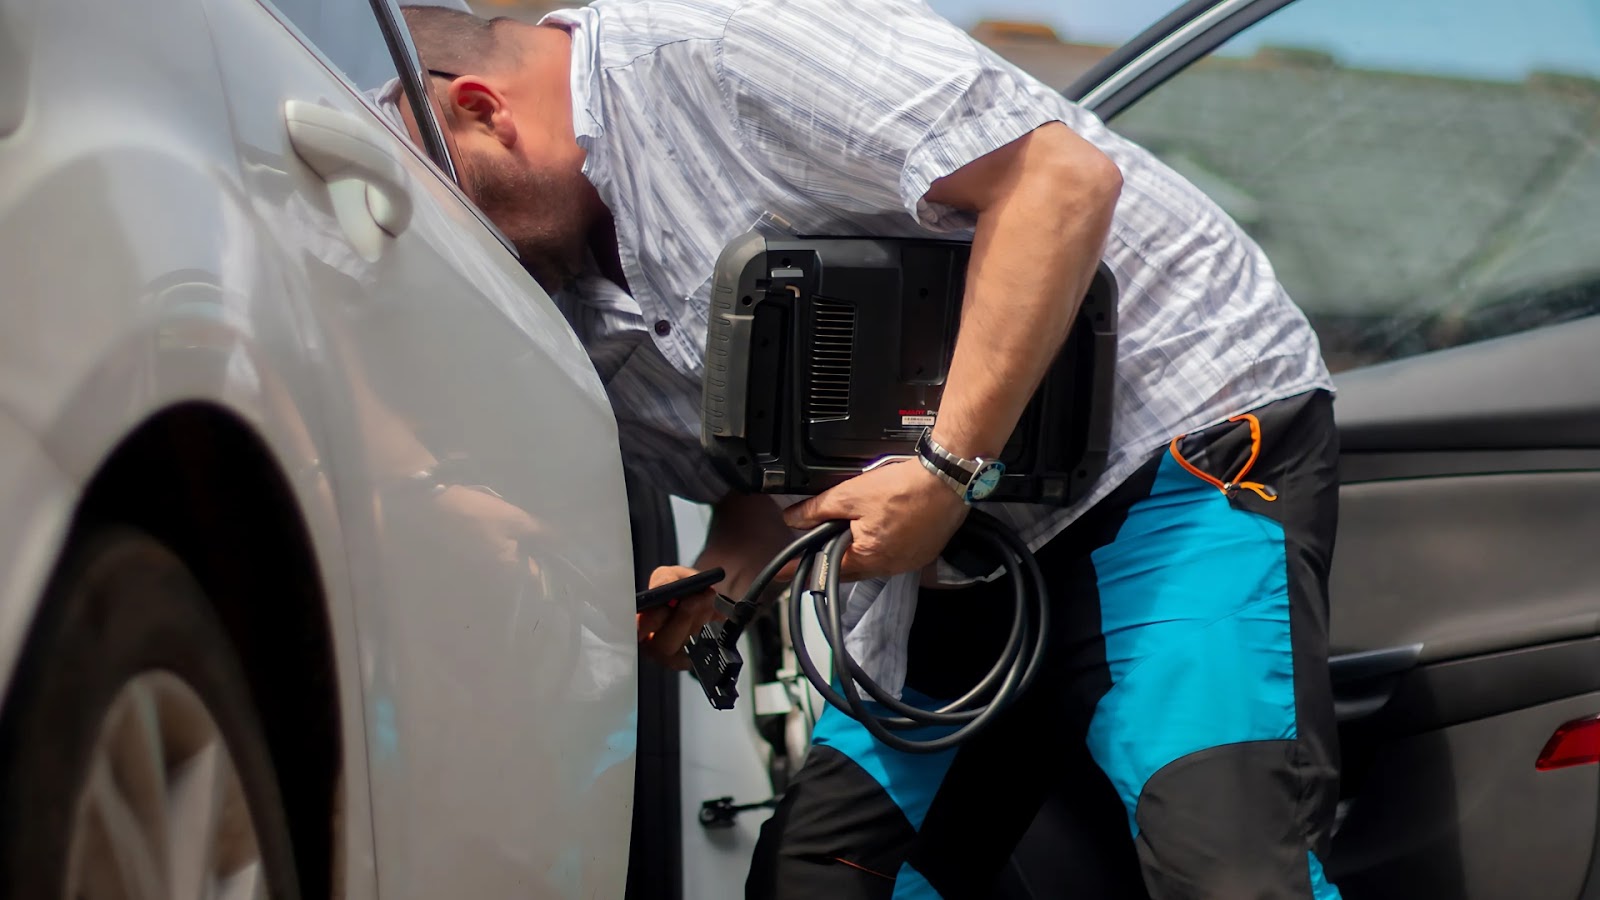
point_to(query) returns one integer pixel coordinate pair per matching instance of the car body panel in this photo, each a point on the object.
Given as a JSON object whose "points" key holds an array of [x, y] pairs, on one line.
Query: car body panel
{"points": [[131, 283], [1432, 562], [1444, 815], [161, 243], [1463, 399], [499, 682], [16, 38], [38, 498]]}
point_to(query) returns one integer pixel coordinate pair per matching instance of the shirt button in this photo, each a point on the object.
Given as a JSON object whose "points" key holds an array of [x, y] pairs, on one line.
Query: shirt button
{"points": [[663, 327]]}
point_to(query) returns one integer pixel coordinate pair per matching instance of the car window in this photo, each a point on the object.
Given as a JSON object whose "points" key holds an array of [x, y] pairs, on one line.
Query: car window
{"points": [[1421, 176], [348, 35]]}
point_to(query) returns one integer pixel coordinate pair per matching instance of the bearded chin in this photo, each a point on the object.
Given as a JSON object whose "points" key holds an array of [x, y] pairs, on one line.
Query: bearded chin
{"points": [[541, 215]]}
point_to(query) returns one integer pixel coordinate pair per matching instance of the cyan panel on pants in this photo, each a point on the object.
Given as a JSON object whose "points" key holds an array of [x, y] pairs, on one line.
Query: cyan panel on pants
{"points": [[909, 884], [1194, 604], [1320, 888], [910, 779]]}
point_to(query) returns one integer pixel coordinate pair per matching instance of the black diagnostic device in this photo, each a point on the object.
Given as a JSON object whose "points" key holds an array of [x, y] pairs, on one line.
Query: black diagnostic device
{"points": [[677, 590], [826, 355]]}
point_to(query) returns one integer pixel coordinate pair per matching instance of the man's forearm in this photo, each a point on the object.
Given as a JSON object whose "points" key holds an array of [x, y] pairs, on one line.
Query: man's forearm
{"points": [[1042, 225]]}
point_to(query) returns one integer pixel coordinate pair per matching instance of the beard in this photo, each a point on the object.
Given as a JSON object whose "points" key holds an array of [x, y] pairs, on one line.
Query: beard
{"points": [[543, 213]]}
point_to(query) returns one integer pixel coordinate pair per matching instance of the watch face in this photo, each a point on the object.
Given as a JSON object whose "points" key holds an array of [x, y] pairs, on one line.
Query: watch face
{"points": [[985, 480]]}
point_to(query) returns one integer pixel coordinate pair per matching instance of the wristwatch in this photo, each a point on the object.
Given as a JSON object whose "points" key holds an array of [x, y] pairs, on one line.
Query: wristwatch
{"points": [[973, 479]]}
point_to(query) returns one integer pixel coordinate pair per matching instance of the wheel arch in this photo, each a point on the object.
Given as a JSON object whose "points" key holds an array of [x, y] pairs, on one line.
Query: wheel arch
{"points": [[201, 481]]}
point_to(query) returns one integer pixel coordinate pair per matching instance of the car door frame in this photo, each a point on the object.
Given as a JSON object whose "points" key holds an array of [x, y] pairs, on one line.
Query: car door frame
{"points": [[1161, 51]]}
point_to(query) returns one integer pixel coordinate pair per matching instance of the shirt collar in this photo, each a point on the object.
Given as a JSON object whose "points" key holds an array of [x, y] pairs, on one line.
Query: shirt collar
{"points": [[586, 113]]}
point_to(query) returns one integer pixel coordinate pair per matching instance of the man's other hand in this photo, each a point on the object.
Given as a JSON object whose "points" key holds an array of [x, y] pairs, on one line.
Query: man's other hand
{"points": [[901, 516], [664, 629]]}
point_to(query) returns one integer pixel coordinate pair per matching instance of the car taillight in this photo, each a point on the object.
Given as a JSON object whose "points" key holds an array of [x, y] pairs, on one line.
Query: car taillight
{"points": [[1576, 743]]}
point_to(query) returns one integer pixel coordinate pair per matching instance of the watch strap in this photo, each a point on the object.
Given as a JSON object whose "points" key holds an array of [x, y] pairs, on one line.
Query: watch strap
{"points": [[943, 464]]}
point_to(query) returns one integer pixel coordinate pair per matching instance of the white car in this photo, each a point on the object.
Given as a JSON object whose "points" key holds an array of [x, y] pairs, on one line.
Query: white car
{"points": [[315, 565]]}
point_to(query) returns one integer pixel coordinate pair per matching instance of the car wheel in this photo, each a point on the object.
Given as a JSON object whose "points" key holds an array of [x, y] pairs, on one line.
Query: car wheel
{"points": [[133, 765]]}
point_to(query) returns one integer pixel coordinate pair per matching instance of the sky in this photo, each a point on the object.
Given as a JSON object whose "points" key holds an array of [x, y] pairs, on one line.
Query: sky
{"points": [[1500, 39]]}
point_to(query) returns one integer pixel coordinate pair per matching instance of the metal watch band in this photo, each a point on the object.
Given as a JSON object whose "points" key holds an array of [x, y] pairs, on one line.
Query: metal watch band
{"points": [[931, 466], [944, 464]]}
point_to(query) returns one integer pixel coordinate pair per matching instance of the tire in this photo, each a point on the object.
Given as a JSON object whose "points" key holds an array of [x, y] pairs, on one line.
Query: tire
{"points": [[128, 726]]}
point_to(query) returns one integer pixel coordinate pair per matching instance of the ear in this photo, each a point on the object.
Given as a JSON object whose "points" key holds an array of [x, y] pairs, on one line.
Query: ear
{"points": [[479, 105]]}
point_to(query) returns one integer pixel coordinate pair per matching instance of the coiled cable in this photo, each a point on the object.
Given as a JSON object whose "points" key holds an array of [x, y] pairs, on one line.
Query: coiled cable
{"points": [[819, 552]]}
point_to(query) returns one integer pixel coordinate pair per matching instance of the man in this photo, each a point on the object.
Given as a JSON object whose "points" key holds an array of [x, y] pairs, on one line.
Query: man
{"points": [[621, 146]]}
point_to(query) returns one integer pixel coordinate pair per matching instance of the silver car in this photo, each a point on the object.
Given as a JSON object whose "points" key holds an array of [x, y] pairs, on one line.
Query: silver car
{"points": [[315, 564]]}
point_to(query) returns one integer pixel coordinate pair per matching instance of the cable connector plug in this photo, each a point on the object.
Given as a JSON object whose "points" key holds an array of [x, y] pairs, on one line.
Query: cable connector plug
{"points": [[721, 812], [716, 666]]}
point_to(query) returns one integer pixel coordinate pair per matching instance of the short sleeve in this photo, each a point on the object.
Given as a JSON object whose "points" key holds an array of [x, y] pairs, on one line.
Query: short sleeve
{"points": [[863, 107]]}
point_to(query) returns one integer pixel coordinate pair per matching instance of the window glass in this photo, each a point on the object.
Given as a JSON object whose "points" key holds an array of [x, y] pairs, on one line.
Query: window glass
{"points": [[1421, 175], [348, 34]]}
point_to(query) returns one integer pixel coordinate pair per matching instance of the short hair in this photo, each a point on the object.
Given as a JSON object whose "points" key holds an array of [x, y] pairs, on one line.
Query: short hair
{"points": [[449, 40]]}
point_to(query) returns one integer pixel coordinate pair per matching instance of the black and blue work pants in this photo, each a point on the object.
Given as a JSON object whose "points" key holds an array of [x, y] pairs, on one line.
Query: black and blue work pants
{"points": [[1185, 704]]}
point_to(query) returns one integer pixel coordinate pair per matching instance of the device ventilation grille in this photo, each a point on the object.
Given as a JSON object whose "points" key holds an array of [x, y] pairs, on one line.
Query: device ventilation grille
{"points": [[833, 340]]}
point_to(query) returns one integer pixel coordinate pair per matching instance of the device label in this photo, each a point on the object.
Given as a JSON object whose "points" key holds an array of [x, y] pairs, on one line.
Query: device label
{"points": [[917, 418]]}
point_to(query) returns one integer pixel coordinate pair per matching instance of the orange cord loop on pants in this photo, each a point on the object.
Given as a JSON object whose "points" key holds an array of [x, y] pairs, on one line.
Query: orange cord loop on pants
{"points": [[1263, 491]]}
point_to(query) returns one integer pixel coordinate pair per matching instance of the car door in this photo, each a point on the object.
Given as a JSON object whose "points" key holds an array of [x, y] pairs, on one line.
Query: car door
{"points": [[1425, 179], [475, 463]]}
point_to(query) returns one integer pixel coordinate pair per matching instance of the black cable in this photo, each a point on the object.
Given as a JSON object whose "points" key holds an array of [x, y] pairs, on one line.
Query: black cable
{"points": [[1009, 678]]}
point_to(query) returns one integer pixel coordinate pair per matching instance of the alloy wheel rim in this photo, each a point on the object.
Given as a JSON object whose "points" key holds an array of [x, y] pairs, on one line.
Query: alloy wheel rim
{"points": [[162, 814]]}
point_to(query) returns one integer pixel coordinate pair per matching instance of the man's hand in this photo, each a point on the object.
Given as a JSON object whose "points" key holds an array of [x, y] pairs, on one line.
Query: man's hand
{"points": [[664, 630], [901, 516]]}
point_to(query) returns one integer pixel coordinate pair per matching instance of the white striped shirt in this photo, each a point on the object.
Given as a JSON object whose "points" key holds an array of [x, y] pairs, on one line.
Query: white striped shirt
{"points": [[705, 118]]}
